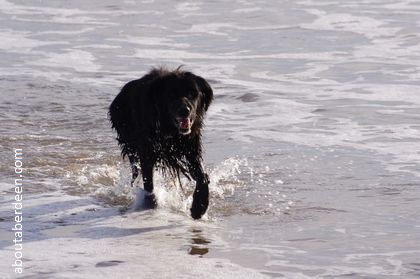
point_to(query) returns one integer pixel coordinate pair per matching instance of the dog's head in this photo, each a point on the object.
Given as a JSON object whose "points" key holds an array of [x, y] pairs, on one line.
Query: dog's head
{"points": [[181, 99]]}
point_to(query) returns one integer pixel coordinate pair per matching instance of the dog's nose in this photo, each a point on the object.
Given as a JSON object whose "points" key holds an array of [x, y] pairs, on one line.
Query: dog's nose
{"points": [[184, 111]]}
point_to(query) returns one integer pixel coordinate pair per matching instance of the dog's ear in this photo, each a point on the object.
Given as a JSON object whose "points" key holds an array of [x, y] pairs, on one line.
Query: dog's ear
{"points": [[157, 88], [205, 88]]}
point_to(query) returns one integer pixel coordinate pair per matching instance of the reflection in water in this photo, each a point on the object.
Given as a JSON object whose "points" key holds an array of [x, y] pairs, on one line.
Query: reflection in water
{"points": [[199, 243]]}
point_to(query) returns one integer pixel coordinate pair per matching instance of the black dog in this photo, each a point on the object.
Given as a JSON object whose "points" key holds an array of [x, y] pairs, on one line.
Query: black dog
{"points": [[158, 119]]}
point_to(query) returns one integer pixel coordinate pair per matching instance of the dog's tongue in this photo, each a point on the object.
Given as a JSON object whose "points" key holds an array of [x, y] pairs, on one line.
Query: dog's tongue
{"points": [[184, 123]]}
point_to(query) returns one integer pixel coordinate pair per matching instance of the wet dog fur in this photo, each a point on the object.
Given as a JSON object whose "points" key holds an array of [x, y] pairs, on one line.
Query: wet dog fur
{"points": [[158, 119]]}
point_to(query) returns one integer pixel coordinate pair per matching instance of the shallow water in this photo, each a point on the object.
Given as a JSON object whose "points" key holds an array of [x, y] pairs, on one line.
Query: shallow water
{"points": [[312, 143]]}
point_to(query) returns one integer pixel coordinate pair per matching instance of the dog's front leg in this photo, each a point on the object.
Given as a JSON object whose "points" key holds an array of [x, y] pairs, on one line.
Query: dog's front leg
{"points": [[147, 165], [201, 192]]}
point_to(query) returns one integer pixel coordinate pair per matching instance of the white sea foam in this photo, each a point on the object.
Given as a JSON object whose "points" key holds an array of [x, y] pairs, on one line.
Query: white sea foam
{"points": [[84, 227], [181, 55], [188, 7], [151, 41], [367, 26], [169, 194], [19, 42], [79, 60], [63, 15]]}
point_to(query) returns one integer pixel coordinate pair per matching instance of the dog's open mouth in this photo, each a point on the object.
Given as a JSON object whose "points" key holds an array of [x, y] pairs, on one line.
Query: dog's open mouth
{"points": [[184, 125]]}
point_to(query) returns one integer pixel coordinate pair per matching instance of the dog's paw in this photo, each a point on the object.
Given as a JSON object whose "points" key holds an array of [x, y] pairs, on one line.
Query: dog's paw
{"points": [[200, 202], [150, 201]]}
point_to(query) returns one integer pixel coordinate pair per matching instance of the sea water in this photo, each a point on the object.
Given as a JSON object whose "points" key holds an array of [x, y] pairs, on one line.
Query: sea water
{"points": [[311, 144]]}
